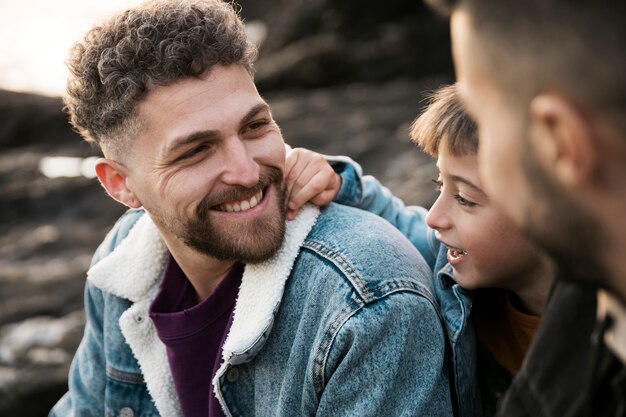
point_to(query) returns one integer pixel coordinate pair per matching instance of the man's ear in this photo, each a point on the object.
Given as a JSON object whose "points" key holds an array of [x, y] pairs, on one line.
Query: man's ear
{"points": [[564, 140], [112, 176]]}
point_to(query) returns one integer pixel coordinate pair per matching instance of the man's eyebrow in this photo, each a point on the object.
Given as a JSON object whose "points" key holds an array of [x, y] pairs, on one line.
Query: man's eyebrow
{"points": [[188, 139], [456, 178]]}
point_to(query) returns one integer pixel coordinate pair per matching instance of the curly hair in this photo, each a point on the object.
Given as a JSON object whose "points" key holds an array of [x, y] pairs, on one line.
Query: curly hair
{"points": [[154, 44]]}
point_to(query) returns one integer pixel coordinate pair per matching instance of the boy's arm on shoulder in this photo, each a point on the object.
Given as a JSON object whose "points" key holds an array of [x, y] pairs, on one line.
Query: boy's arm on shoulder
{"points": [[388, 359], [367, 193]]}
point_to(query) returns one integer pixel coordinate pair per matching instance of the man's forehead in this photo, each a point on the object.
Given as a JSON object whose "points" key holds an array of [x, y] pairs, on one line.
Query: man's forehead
{"points": [[224, 96]]}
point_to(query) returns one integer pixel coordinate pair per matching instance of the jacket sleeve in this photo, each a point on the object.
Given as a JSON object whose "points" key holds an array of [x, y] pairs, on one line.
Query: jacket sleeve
{"points": [[366, 193], [87, 376], [388, 360]]}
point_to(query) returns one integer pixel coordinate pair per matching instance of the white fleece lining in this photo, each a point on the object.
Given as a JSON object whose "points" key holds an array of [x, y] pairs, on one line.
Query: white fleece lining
{"points": [[141, 336], [262, 287], [260, 294], [135, 265], [134, 271]]}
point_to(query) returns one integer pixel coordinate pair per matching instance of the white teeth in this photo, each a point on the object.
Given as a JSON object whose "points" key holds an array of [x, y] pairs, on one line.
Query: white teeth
{"points": [[457, 252], [242, 205]]}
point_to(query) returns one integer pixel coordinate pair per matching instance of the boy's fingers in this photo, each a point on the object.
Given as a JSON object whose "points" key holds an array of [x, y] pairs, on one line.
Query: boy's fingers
{"points": [[291, 214], [314, 191], [328, 195]]}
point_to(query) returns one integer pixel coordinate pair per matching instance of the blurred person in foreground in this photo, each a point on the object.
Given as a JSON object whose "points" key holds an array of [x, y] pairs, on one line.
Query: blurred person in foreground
{"points": [[544, 79], [203, 300]]}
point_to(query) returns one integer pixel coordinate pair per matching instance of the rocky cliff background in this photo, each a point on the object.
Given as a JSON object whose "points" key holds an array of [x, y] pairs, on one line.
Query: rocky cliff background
{"points": [[342, 77]]}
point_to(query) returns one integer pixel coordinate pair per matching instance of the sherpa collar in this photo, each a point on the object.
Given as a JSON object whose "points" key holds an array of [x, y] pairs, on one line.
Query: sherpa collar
{"points": [[134, 270], [135, 266]]}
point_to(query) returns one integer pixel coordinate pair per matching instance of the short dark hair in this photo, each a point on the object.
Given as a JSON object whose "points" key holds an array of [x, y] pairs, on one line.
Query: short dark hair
{"points": [[154, 44], [573, 47], [445, 121]]}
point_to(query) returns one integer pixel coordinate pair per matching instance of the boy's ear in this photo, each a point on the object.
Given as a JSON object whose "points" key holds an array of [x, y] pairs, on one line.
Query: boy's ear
{"points": [[563, 138], [112, 176]]}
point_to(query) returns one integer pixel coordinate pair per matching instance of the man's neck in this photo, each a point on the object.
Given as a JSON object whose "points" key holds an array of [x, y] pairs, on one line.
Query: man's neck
{"points": [[204, 272], [534, 292]]}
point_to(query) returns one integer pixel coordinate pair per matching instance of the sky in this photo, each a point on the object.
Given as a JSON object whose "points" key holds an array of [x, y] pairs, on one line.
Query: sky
{"points": [[36, 35]]}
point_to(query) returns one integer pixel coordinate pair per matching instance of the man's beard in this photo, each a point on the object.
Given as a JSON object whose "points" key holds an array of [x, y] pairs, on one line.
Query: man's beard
{"points": [[570, 235], [255, 241]]}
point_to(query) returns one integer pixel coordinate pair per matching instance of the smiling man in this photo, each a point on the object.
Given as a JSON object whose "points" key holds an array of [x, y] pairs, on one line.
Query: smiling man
{"points": [[203, 300], [544, 79]]}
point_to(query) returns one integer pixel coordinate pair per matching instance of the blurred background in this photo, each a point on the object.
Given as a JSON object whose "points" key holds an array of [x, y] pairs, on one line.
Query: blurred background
{"points": [[343, 77]]}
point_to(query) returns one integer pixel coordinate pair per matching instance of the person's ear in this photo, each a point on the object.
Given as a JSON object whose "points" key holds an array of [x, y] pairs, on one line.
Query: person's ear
{"points": [[112, 176], [563, 139]]}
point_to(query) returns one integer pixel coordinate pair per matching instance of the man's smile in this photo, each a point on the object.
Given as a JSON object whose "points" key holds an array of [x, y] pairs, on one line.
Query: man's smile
{"points": [[242, 205]]}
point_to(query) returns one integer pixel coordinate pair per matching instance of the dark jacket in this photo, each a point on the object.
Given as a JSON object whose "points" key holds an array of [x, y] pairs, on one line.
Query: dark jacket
{"points": [[568, 371]]}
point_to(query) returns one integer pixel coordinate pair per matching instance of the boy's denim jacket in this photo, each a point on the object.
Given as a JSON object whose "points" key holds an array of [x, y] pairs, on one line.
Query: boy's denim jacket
{"points": [[455, 303], [341, 322]]}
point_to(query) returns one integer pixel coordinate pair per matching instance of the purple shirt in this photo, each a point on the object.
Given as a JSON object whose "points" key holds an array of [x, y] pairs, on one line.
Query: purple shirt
{"points": [[193, 335]]}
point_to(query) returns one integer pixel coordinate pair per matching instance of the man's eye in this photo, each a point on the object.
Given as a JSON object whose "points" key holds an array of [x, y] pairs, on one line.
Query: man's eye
{"points": [[193, 152], [257, 125]]}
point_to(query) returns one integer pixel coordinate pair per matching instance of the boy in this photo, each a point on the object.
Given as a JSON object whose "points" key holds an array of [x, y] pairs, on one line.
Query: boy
{"points": [[475, 246]]}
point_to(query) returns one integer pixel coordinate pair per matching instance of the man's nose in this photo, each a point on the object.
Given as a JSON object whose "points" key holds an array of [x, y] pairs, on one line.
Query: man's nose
{"points": [[240, 166]]}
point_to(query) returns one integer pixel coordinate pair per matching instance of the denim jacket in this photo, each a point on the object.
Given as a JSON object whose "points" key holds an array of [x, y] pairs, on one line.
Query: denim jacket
{"points": [[366, 193], [342, 321]]}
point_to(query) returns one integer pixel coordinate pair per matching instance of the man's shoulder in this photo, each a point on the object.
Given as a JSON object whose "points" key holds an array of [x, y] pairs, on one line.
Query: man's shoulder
{"points": [[366, 247], [355, 228]]}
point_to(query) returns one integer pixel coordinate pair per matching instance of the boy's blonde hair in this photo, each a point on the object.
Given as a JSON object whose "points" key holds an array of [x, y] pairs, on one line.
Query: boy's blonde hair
{"points": [[445, 121]]}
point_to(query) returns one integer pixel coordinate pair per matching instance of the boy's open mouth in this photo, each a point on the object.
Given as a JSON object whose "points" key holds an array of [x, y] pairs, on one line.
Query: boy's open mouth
{"points": [[455, 254]]}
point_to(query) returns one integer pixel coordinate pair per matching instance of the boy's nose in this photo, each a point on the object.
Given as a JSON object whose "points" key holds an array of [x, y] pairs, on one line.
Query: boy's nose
{"points": [[437, 217]]}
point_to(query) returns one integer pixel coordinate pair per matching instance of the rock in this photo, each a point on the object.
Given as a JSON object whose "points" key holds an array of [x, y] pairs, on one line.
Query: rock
{"points": [[323, 42]]}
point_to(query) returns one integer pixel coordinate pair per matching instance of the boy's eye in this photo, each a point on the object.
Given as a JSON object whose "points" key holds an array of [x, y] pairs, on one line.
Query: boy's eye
{"points": [[438, 184], [463, 201]]}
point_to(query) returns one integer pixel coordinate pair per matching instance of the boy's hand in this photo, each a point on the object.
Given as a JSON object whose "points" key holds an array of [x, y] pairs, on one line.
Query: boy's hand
{"points": [[309, 177]]}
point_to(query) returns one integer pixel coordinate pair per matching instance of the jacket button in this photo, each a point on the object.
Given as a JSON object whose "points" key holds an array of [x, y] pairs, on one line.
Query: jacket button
{"points": [[232, 375], [127, 412]]}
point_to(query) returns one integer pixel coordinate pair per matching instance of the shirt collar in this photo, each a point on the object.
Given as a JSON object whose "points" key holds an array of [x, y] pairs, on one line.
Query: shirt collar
{"points": [[615, 336]]}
